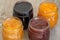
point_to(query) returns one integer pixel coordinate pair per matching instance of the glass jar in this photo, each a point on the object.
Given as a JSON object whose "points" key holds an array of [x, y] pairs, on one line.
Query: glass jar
{"points": [[49, 10], [12, 29], [24, 11], [38, 29]]}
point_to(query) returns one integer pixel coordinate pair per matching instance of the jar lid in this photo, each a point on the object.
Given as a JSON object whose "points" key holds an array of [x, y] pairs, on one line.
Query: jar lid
{"points": [[23, 7]]}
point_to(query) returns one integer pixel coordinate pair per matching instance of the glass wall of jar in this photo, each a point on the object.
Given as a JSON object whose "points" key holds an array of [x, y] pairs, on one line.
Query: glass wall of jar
{"points": [[49, 10], [38, 29], [12, 29], [24, 11]]}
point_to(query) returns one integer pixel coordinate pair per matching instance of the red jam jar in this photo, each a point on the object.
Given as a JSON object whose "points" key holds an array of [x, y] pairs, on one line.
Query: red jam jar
{"points": [[38, 29], [24, 11]]}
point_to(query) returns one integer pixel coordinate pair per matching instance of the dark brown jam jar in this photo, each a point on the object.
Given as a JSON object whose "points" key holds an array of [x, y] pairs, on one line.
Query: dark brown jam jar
{"points": [[24, 11]]}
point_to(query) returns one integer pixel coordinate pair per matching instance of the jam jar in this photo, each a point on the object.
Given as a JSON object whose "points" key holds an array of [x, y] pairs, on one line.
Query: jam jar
{"points": [[12, 29], [49, 10], [24, 11], [39, 29]]}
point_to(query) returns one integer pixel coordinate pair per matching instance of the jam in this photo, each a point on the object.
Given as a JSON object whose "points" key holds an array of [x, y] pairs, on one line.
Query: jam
{"points": [[38, 29], [12, 29], [49, 10], [24, 11]]}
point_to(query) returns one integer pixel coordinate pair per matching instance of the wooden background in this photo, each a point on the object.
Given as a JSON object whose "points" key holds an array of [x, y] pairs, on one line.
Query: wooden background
{"points": [[6, 7]]}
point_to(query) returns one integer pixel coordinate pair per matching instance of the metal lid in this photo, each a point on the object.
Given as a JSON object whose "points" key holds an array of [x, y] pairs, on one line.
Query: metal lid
{"points": [[23, 7]]}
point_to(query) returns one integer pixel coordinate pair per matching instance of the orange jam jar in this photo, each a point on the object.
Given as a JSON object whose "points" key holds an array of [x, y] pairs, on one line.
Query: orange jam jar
{"points": [[12, 29], [49, 11]]}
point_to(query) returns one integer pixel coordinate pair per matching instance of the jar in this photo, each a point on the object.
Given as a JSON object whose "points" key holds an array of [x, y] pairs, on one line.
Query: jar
{"points": [[24, 11], [38, 29], [12, 29], [49, 11]]}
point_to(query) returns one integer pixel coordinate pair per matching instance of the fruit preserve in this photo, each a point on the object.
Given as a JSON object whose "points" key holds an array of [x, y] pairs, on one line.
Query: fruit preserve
{"points": [[38, 29], [24, 11], [12, 29], [49, 11]]}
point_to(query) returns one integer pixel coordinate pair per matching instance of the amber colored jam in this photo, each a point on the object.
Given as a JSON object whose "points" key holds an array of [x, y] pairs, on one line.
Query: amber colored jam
{"points": [[12, 29], [38, 29], [49, 10]]}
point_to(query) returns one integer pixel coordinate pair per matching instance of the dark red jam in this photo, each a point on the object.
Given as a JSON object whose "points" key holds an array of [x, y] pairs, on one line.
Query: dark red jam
{"points": [[38, 29]]}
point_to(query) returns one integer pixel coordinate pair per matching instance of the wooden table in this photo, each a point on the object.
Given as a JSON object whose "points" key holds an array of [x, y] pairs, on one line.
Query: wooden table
{"points": [[8, 9]]}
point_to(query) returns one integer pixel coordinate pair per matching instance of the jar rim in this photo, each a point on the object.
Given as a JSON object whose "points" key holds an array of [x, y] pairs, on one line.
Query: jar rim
{"points": [[36, 28], [12, 17]]}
